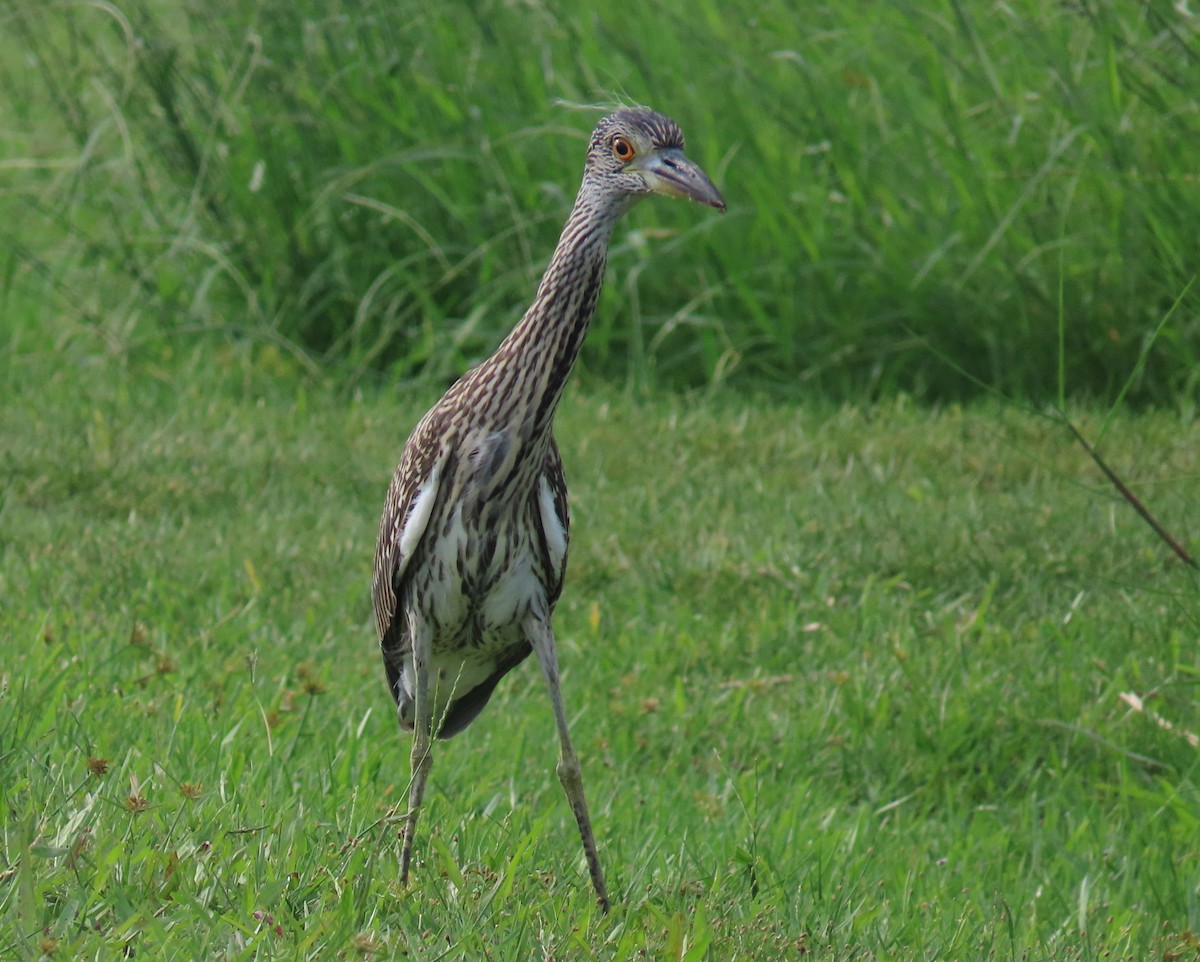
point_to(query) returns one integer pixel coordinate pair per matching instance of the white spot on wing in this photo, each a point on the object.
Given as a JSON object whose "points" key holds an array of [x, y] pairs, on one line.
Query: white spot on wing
{"points": [[418, 517], [552, 526]]}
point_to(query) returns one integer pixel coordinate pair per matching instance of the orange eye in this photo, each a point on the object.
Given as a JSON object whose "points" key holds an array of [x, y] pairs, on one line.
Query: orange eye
{"points": [[622, 149]]}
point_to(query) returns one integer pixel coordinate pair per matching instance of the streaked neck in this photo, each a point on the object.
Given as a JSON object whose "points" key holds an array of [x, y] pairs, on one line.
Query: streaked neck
{"points": [[532, 364]]}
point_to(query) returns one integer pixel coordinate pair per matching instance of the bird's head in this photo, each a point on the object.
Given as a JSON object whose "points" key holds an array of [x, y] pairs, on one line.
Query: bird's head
{"points": [[636, 152]]}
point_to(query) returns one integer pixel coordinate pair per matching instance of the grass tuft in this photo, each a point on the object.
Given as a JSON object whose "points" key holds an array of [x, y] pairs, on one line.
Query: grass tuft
{"points": [[379, 188]]}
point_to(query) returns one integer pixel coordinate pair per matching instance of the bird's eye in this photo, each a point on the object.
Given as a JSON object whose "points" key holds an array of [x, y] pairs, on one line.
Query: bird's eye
{"points": [[622, 149]]}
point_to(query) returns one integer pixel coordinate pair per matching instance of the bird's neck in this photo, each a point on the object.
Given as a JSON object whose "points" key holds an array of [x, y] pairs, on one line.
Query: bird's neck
{"points": [[530, 368]]}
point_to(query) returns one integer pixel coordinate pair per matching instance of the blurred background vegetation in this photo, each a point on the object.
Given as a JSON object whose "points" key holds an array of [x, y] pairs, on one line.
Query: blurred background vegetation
{"points": [[930, 198]]}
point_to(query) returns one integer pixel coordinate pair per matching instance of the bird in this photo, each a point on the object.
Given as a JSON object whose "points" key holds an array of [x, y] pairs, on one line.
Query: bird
{"points": [[472, 545]]}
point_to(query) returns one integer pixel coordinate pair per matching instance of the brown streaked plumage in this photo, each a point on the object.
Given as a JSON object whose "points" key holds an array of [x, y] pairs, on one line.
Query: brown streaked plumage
{"points": [[473, 540]]}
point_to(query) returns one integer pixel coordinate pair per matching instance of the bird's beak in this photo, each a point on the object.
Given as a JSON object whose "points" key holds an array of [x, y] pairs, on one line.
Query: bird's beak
{"points": [[670, 173]]}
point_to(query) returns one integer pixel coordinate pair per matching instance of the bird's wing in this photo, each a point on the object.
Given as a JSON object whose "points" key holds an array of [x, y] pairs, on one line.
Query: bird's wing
{"points": [[410, 500], [555, 518]]}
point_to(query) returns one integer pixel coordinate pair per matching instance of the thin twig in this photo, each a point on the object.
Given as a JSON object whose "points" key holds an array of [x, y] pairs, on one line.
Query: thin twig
{"points": [[1129, 496]]}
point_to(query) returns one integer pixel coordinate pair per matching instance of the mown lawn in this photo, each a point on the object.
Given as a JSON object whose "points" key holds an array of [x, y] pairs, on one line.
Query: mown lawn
{"points": [[848, 683]]}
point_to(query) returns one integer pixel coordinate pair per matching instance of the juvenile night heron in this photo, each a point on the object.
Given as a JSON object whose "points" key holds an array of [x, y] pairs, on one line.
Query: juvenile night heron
{"points": [[473, 540]]}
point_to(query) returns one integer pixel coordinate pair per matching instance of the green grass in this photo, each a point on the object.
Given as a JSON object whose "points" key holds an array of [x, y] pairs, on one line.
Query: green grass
{"points": [[863, 678], [378, 184], [844, 680]]}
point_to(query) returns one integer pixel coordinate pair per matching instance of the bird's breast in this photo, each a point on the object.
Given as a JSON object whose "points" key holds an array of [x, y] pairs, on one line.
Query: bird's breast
{"points": [[485, 565]]}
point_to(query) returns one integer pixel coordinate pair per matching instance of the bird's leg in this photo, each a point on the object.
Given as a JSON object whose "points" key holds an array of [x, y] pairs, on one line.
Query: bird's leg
{"points": [[541, 637], [422, 746]]}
